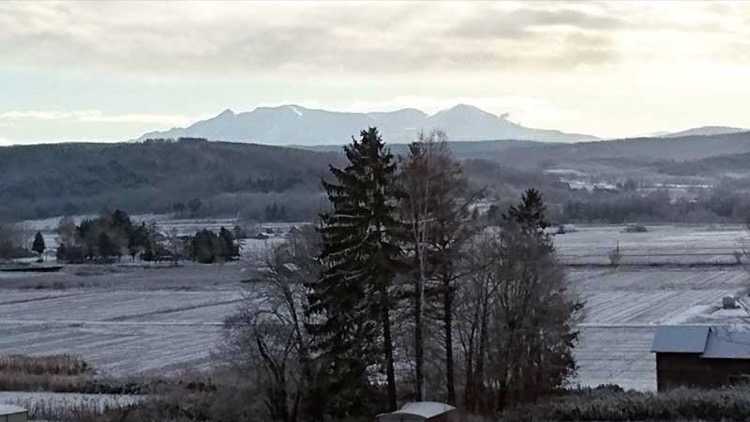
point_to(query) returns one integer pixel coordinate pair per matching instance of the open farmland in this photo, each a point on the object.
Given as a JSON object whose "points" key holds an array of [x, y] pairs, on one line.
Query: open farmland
{"points": [[128, 320], [668, 275]]}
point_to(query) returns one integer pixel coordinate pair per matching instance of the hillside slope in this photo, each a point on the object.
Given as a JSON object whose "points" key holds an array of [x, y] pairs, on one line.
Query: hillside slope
{"points": [[47, 180]]}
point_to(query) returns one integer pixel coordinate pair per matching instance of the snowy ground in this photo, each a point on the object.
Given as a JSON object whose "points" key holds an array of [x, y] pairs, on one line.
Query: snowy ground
{"points": [[624, 306]]}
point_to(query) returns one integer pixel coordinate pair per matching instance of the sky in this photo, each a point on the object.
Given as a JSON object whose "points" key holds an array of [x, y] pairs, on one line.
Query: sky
{"points": [[110, 71]]}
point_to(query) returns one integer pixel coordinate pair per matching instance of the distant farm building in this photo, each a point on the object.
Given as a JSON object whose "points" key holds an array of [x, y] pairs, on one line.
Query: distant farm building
{"points": [[701, 356], [10, 413], [424, 411]]}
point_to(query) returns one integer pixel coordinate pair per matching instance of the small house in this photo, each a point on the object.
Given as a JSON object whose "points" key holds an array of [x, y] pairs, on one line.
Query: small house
{"points": [[423, 411], [11, 413], [701, 356]]}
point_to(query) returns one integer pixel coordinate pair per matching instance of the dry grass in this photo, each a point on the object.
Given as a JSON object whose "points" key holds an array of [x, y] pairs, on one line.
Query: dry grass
{"points": [[44, 365], [59, 374]]}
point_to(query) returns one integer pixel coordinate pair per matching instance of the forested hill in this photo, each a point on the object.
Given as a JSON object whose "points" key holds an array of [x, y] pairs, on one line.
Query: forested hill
{"points": [[47, 180], [635, 152], [198, 178]]}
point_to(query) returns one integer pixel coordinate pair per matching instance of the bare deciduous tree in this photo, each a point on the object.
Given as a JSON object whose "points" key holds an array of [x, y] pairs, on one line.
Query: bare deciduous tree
{"points": [[436, 209], [268, 338], [517, 316]]}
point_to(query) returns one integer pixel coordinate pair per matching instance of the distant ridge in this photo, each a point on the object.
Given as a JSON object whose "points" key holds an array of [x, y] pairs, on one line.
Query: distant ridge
{"points": [[296, 125], [704, 131]]}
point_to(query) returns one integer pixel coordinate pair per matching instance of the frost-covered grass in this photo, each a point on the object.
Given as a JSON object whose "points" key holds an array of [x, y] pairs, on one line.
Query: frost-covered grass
{"points": [[62, 406]]}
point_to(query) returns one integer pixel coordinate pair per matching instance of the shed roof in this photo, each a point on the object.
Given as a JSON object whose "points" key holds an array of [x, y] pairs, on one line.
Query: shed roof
{"points": [[424, 410], [680, 339], [708, 342], [9, 409], [727, 344]]}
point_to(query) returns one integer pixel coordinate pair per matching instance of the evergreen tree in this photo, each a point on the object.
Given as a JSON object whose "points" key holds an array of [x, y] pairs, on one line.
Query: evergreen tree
{"points": [[536, 314], [107, 247], [230, 248], [529, 214], [38, 246], [148, 252], [138, 238], [352, 296]]}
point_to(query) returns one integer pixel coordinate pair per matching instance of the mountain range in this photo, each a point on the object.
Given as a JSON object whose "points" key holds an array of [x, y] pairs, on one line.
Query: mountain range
{"points": [[296, 125]]}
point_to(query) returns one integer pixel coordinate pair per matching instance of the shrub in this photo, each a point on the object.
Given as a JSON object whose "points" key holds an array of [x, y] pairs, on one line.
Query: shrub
{"points": [[615, 256], [636, 228]]}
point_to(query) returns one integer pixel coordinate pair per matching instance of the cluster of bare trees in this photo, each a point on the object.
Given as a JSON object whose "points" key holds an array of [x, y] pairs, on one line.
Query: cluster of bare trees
{"points": [[476, 316]]}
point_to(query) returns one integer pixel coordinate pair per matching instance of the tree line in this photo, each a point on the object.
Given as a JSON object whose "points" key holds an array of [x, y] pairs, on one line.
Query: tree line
{"points": [[402, 293], [113, 234]]}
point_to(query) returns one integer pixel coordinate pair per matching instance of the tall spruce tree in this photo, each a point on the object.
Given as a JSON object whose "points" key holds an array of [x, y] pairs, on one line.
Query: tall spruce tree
{"points": [[360, 249], [38, 245]]}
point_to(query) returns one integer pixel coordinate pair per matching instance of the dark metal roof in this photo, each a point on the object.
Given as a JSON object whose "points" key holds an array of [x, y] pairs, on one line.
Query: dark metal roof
{"points": [[724, 343], [708, 342], [680, 339]]}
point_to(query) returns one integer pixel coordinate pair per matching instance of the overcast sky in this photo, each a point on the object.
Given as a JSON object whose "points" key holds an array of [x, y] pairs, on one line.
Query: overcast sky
{"points": [[111, 71]]}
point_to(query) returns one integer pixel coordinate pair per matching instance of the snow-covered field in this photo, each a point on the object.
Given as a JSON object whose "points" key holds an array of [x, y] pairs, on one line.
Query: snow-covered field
{"points": [[661, 244], [129, 320], [624, 306]]}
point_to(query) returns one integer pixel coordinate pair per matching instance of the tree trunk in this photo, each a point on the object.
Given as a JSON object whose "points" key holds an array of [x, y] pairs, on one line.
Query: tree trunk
{"points": [[448, 325], [390, 373], [419, 338]]}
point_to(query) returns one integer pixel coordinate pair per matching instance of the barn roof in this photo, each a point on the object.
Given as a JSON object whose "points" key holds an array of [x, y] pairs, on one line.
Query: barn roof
{"points": [[708, 342], [9, 409], [727, 344], [680, 339]]}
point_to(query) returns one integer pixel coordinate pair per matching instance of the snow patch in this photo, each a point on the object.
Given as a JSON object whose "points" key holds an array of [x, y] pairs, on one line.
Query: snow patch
{"points": [[295, 110]]}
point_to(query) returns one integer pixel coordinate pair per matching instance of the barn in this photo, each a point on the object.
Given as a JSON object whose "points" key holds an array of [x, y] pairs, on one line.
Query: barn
{"points": [[423, 411], [701, 356], [10, 413]]}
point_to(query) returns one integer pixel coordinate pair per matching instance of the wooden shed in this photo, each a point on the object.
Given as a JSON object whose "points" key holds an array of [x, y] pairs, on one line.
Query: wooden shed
{"points": [[10, 413], [422, 411], [701, 356]]}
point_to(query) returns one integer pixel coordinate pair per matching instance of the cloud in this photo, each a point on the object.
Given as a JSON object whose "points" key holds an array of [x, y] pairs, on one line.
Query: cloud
{"points": [[267, 37], [91, 116], [518, 23]]}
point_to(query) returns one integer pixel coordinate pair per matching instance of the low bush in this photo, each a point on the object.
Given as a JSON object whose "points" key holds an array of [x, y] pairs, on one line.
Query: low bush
{"points": [[178, 404], [731, 404]]}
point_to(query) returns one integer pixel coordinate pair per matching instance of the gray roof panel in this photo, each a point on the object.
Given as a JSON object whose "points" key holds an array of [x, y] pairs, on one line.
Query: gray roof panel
{"points": [[725, 343], [680, 339]]}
